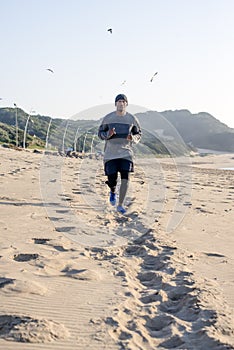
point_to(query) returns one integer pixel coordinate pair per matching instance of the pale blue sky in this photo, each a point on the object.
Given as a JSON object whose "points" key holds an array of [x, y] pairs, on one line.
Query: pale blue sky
{"points": [[190, 43]]}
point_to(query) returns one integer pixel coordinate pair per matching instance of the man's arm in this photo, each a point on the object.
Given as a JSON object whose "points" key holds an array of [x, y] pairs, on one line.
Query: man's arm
{"points": [[104, 133], [135, 135]]}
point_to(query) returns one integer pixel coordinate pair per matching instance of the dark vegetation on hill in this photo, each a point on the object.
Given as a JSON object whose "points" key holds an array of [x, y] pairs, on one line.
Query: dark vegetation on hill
{"points": [[168, 132]]}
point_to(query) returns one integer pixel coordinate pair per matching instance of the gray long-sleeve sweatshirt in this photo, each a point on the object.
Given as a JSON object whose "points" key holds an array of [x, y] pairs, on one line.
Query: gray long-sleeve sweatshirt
{"points": [[117, 146]]}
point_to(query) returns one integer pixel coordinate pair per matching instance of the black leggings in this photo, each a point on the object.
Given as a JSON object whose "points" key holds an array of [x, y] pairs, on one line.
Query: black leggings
{"points": [[112, 179]]}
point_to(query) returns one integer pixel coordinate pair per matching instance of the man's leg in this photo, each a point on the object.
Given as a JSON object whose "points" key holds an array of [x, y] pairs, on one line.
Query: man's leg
{"points": [[123, 187], [112, 182]]}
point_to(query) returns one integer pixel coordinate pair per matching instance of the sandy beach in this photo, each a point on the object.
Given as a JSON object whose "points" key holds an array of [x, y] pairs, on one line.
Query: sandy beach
{"points": [[75, 274]]}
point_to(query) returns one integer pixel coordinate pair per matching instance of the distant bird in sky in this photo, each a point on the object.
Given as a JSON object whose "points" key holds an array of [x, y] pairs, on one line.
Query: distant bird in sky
{"points": [[50, 70], [153, 77], [123, 82], [110, 30]]}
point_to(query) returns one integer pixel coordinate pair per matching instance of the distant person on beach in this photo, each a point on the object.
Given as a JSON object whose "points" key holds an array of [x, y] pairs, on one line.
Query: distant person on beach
{"points": [[120, 130]]}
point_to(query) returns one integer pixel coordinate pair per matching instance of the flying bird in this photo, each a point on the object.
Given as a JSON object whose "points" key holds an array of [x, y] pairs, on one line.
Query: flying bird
{"points": [[50, 70], [153, 77], [110, 30]]}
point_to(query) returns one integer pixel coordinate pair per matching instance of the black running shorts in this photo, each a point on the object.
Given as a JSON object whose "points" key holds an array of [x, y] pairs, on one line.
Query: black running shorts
{"points": [[118, 165]]}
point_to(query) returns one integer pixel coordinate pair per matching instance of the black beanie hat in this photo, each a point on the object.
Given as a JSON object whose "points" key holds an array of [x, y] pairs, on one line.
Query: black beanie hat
{"points": [[121, 97]]}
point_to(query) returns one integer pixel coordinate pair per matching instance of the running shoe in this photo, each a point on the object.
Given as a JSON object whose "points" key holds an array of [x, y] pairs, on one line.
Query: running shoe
{"points": [[121, 209], [112, 198]]}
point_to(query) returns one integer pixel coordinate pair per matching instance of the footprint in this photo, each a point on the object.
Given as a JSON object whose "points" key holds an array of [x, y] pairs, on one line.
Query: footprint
{"points": [[185, 308], [150, 279], [4, 281], [148, 299], [153, 262], [159, 322], [53, 218], [41, 240], [125, 335], [111, 321], [23, 286], [25, 257], [136, 250], [81, 274], [215, 255], [26, 329], [172, 343], [179, 293], [65, 228]]}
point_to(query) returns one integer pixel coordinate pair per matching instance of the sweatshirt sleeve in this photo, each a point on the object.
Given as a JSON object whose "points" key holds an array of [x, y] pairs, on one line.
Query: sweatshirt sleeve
{"points": [[103, 131], [136, 131]]}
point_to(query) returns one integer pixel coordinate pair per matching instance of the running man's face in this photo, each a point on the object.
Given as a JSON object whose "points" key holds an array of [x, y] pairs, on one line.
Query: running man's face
{"points": [[121, 105]]}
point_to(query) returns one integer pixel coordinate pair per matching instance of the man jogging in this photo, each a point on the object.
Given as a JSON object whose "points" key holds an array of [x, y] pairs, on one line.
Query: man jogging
{"points": [[120, 130]]}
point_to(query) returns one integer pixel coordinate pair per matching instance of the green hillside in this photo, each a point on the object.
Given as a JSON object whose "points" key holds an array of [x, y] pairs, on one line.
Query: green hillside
{"points": [[168, 132], [62, 133]]}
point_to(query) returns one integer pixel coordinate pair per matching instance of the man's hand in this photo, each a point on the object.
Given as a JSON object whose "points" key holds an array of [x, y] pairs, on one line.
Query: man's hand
{"points": [[111, 132], [129, 137]]}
